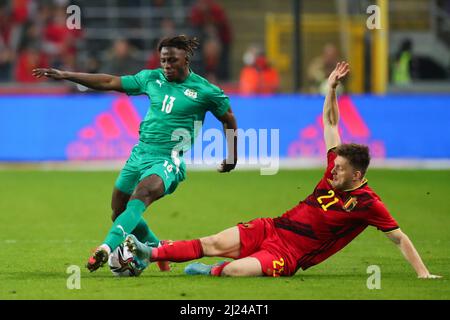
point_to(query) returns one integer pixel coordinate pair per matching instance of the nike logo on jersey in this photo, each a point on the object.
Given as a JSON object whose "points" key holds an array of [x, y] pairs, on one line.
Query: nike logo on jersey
{"points": [[190, 93]]}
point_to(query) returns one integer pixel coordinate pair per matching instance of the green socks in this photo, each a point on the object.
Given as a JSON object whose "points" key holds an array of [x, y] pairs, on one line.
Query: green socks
{"points": [[144, 234], [130, 220]]}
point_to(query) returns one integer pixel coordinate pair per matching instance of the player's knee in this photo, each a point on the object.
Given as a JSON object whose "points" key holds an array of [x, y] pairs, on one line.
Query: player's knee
{"points": [[115, 214], [117, 209], [146, 194], [149, 190], [118, 203]]}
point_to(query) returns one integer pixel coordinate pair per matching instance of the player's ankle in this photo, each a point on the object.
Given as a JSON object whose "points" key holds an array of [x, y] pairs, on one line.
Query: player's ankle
{"points": [[105, 247], [153, 255]]}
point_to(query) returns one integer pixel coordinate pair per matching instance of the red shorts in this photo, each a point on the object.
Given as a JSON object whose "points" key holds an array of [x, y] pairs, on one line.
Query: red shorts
{"points": [[260, 240]]}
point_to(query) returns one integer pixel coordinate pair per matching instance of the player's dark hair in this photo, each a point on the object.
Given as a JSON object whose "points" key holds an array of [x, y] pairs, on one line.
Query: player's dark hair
{"points": [[357, 155], [180, 42]]}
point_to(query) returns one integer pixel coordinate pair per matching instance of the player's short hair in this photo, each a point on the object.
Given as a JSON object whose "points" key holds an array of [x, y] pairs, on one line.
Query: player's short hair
{"points": [[180, 42], [357, 155]]}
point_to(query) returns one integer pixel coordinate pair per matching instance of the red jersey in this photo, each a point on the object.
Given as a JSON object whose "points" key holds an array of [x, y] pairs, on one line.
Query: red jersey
{"points": [[328, 219]]}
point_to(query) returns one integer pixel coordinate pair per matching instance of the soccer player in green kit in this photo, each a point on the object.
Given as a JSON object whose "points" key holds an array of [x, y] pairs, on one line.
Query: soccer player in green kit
{"points": [[179, 98]]}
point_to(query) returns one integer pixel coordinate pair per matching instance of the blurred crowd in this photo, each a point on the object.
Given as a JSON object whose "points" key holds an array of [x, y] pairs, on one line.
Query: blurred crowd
{"points": [[34, 34]]}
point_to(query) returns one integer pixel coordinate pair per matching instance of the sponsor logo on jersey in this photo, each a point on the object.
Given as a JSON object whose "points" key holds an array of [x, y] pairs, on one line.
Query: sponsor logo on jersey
{"points": [[190, 93]]}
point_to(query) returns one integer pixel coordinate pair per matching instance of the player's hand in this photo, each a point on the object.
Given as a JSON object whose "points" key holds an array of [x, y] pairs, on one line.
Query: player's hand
{"points": [[339, 73], [49, 73], [429, 276], [227, 166]]}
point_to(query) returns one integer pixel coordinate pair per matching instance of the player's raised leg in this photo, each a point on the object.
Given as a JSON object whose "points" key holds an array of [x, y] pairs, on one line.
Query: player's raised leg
{"points": [[223, 244], [147, 191], [119, 202]]}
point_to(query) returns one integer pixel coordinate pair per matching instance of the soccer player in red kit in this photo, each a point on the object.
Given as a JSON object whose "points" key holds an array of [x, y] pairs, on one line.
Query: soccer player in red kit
{"points": [[341, 206]]}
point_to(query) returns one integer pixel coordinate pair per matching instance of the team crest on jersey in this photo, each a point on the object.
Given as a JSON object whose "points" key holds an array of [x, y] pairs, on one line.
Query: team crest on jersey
{"points": [[350, 204], [190, 93]]}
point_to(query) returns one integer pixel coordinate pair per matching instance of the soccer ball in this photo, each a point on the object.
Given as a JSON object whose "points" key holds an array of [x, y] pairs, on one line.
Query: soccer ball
{"points": [[122, 264]]}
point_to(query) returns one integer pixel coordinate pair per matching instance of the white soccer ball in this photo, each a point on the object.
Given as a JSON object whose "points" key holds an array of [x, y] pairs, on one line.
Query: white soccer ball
{"points": [[122, 263]]}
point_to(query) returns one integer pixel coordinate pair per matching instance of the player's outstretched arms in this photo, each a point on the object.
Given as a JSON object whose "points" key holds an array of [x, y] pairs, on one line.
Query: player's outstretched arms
{"points": [[410, 253], [90, 80], [331, 108]]}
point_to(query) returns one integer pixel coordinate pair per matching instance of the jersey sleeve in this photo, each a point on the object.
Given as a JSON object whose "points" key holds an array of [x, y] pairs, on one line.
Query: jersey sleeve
{"points": [[218, 102], [135, 84], [379, 217]]}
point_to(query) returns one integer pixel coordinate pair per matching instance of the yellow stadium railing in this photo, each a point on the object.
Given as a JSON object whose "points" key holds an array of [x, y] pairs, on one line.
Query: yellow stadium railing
{"points": [[315, 27]]}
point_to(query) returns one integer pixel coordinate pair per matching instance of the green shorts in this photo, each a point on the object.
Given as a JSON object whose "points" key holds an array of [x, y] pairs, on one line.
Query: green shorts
{"points": [[145, 161]]}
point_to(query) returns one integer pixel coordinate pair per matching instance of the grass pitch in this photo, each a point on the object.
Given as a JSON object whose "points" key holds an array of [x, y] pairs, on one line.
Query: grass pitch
{"points": [[51, 220]]}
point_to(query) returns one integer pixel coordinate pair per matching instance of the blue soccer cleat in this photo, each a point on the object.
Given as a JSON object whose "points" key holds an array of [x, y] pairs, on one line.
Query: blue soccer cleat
{"points": [[198, 268], [141, 265], [140, 250]]}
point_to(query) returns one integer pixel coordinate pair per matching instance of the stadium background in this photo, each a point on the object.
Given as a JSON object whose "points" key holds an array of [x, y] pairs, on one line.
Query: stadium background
{"points": [[404, 116]]}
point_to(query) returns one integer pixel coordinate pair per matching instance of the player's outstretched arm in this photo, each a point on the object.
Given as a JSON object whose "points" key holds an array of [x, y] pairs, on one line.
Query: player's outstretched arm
{"points": [[331, 108], [230, 129], [90, 80], [410, 253]]}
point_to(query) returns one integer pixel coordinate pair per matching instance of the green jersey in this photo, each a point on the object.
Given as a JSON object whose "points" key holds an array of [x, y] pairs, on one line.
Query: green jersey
{"points": [[175, 108]]}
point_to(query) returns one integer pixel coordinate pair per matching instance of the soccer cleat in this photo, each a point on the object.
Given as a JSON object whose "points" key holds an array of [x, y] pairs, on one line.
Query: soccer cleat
{"points": [[163, 266], [138, 249], [141, 265], [97, 260], [198, 268]]}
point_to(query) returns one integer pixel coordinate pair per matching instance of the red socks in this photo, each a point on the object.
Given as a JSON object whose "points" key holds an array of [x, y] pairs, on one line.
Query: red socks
{"points": [[217, 270], [178, 251]]}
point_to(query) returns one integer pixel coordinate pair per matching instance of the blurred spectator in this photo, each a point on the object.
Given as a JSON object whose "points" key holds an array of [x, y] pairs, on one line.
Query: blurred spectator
{"points": [[5, 25], [6, 51], [29, 59], [153, 60], [92, 64], [20, 11], [6, 62], [167, 28], [257, 76], [59, 41], [320, 68], [206, 14], [212, 49], [121, 60], [408, 66], [401, 69], [158, 3]]}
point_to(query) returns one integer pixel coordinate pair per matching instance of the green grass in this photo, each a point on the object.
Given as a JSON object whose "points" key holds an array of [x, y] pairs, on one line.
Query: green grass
{"points": [[51, 220]]}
